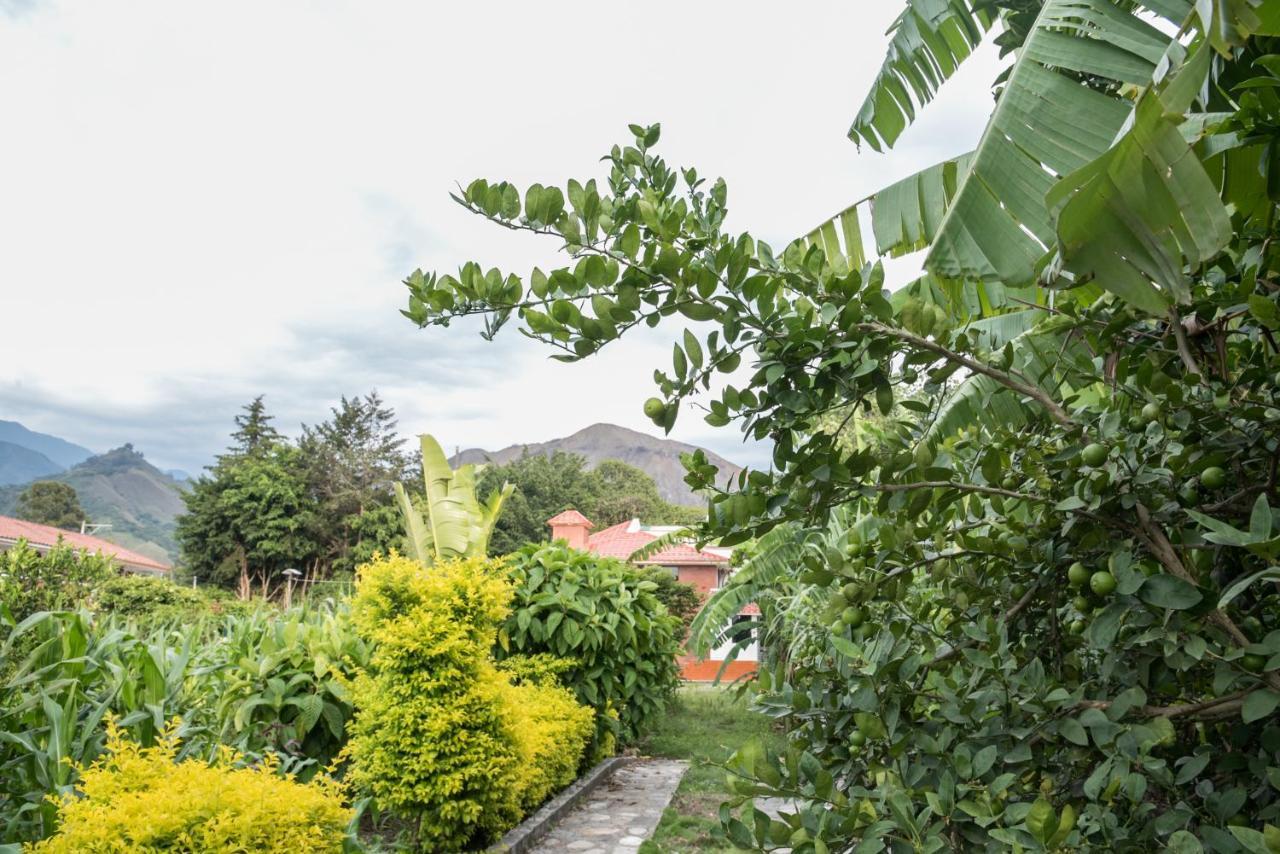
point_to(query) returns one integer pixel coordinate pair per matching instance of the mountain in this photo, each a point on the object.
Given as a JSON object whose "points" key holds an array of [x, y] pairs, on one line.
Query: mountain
{"points": [[121, 488], [21, 465], [60, 451], [659, 458]]}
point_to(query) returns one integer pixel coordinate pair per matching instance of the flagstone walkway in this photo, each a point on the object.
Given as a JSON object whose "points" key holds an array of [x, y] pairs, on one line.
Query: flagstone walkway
{"points": [[620, 814]]}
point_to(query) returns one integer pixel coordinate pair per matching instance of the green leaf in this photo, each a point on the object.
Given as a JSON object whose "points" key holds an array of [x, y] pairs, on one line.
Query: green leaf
{"points": [[1259, 704], [1042, 821], [1184, 842], [1168, 591], [1241, 584]]}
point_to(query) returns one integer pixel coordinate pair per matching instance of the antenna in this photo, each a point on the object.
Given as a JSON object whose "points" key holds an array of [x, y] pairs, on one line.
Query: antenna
{"points": [[92, 529]]}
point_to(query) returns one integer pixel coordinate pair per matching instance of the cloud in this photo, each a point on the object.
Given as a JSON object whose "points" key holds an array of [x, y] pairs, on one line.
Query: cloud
{"points": [[197, 211]]}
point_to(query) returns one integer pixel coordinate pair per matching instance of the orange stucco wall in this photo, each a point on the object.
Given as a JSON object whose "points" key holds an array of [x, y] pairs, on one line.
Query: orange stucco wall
{"points": [[703, 577], [692, 670]]}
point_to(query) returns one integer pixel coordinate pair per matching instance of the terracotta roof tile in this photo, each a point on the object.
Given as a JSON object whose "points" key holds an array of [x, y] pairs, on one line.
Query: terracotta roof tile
{"points": [[570, 517], [44, 536], [623, 539]]}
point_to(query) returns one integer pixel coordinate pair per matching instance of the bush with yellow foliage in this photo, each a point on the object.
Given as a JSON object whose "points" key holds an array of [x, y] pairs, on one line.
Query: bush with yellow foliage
{"points": [[138, 798], [441, 738]]}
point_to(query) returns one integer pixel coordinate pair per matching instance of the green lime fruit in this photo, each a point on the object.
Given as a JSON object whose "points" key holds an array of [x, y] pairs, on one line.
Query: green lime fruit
{"points": [[858, 739], [838, 627], [852, 617], [1151, 412], [1102, 583], [801, 495], [849, 592], [1081, 604], [1077, 574], [1213, 477], [1076, 627], [654, 408], [1251, 626], [1253, 662], [1094, 454]]}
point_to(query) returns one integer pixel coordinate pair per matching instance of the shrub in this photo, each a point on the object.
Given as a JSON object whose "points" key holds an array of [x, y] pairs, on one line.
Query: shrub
{"points": [[603, 615], [551, 731], [682, 600], [139, 799], [142, 596], [60, 579], [430, 740]]}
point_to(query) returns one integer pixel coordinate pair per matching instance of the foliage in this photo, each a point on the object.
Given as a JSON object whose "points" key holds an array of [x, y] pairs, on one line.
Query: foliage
{"points": [[441, 738], [268, 684], [138, 798], [551, 730], [1086, 374], [248, 519], [349, 463], [610, 493], [455, 524], [322, 506], [681, 599], [60, 578], [49, 502], [601, 614]]}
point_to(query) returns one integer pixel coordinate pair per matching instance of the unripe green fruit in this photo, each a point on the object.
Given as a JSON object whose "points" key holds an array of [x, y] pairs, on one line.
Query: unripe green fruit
{"points": [[654, 408], [1213, 477], [1102, 583], [1077, 574], [852, 617], [1076, 627], [857, 739], [1253, 662], [849, 592], [1094, 454], [1081, 604], [801, 495], [1151, 412]]}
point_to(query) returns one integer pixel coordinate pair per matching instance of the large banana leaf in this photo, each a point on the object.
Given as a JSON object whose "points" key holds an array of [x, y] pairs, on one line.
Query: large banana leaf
{"points": [[1046, 124], [1038, 345], [456, 524], [1136, 218], [904, 216], [929, 41]]}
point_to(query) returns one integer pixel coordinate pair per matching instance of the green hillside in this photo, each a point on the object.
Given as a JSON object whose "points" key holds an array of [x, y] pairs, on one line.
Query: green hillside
{"points": [[121, 488], [22, 465]]}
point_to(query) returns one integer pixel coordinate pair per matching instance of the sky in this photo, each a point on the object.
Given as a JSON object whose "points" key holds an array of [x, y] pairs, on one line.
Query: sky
{"points": [[204, 202]]}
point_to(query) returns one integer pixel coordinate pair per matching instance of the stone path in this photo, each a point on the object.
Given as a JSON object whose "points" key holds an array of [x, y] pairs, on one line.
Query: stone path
{"points": [[620, 814]]}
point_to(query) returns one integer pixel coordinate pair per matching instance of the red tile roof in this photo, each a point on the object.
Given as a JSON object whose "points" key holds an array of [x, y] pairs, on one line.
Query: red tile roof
{"points": [[43, 536], [570, 517], [624, 538]]}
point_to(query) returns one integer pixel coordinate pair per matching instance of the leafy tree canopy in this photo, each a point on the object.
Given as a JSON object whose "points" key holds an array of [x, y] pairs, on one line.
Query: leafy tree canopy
{"points": [[1037, 611], [49, 502], [610, 493]]}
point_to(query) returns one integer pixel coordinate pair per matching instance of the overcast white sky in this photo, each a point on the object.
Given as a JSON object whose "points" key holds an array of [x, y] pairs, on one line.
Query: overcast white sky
{"points": [[201, 202]]}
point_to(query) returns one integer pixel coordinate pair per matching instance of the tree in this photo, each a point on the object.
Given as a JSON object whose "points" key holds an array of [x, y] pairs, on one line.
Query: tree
{"points": [[251, 516], [351, 462], [49, 502], [1044, 618], [254, 433], [610, 493]]}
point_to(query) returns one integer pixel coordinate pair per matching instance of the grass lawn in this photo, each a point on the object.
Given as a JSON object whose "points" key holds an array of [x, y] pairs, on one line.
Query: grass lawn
{"points": [[705, 725]]}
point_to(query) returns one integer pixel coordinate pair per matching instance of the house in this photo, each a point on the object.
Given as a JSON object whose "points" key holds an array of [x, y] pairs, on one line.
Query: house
{"points": [[43, 537], [707, 569]]}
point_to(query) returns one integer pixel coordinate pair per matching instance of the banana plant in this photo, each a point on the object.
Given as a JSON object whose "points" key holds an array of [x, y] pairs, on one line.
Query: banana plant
{"points": [[456, 523]]}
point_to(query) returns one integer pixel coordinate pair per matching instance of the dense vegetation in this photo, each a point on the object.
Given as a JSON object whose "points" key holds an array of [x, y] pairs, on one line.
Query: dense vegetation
{"points": [[48, 502], [122, 697], [1039, 612], [610, 493]]}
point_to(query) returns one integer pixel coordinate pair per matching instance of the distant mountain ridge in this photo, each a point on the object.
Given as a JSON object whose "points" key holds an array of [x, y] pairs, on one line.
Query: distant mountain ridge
{"points": [[659, 458], [65, 454], [122, 489], [21, 465]]}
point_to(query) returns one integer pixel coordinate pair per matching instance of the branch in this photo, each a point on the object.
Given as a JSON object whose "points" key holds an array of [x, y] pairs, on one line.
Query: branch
{"points": [[963, 487], [1037, 394], [1218, 707]]}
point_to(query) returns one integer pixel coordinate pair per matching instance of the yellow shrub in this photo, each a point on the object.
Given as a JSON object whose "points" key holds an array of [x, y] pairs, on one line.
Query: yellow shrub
{"points": [[138, 799], [551, 730], [432, 739]]}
